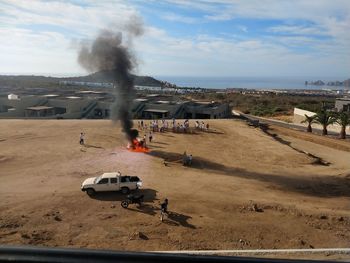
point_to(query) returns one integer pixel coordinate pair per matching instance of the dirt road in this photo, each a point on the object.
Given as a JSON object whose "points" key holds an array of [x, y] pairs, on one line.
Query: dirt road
{"points": [[245, 190]]}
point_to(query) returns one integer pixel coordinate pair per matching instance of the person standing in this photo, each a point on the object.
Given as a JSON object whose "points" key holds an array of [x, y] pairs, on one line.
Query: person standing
{"points": [[164, 209], [150, 137], [190, 160], [144, 141], [82, 139], [174, 125]]}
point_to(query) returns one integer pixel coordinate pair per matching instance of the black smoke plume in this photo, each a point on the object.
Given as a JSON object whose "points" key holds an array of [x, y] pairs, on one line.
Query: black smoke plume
{"points": [[108, 53]]}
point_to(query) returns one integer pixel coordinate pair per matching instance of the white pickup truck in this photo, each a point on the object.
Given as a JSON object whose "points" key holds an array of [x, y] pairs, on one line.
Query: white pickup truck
{"points": [[111, 182]]}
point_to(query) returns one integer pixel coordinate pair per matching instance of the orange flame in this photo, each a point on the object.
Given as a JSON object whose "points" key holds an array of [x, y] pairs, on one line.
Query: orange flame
{"points": [[137, 146]]}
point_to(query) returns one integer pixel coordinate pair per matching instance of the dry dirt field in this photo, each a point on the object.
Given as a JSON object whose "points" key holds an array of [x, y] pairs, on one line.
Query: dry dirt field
{"points": [[300, 201]]}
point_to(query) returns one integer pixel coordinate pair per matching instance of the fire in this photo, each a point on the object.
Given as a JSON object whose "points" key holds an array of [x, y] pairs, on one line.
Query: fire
{"points": [[137, 146]]}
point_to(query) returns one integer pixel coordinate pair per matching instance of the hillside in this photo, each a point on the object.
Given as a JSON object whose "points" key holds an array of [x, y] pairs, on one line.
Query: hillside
{"points": [[39, 81], [108, 76]]}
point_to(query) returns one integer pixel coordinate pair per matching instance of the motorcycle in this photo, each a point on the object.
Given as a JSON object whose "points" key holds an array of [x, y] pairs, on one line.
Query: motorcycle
{"points": [[132, 199]]}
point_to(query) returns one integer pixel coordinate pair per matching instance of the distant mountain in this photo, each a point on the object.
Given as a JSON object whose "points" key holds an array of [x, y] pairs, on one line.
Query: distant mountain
{"points": [[108, 76], [102, 76], [345, 83]]}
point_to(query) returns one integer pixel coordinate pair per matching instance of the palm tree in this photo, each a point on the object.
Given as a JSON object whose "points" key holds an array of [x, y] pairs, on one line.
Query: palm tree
{"points": [[343, 120], [310, 120], [325, 118]]}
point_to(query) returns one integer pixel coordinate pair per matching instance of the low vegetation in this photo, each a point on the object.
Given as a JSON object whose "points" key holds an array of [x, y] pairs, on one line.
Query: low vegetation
{"points": [[269, 104], [326, 118], [309, 120], [343, 120]]}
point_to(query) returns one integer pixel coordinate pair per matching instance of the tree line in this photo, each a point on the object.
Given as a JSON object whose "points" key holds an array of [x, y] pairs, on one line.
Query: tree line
{"points": [[326, 118]]}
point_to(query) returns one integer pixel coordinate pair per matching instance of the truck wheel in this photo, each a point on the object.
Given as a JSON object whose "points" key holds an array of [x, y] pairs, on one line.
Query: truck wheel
{"points": [[90, 191], [125, 190], [124, 203]]}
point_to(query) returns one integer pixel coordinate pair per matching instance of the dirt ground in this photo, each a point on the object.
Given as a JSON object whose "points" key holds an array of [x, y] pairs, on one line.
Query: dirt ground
{"points": [[299, 201]]}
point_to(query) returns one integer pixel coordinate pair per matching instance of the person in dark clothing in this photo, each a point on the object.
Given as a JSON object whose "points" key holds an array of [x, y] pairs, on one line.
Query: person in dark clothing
{"points": [[164, 206], [164, 209]]}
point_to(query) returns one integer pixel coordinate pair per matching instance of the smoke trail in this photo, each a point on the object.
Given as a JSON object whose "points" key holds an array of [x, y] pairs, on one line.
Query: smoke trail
{"points": [[107, 53]]}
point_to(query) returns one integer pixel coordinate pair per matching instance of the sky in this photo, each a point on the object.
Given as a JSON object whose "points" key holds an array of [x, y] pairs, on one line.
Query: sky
{"points": [[183, 38]]}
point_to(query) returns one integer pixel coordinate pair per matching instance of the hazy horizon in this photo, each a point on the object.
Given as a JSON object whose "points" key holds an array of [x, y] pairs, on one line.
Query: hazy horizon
{"points": [[246, 82], [62, 75]]}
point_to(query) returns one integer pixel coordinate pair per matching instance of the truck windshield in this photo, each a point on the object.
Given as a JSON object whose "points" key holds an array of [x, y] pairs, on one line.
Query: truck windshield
{"points": [[97, 179]]}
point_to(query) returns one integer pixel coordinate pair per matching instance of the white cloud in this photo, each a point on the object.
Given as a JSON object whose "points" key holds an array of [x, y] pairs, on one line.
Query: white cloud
{"points": [[179, 18], [243, 28], [298, 30], [25, 49]]}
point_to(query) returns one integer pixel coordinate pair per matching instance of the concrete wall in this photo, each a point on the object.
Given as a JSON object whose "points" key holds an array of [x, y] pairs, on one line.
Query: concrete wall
{"points": [[299, 115], [171, 108], [20, 105], [339, 105], [216, 112], [71, 105], [102, 110]]}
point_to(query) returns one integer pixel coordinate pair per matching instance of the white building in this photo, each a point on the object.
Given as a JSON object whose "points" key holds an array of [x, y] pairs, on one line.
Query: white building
{"points": [[13, 97]]}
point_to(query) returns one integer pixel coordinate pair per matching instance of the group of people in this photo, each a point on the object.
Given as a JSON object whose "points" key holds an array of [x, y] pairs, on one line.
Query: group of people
{"points": [[201, 126], [165, 125], [154, 125]]}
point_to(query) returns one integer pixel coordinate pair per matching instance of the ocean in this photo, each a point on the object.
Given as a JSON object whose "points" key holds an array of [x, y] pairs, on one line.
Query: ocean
{"points": [[249, 82]]}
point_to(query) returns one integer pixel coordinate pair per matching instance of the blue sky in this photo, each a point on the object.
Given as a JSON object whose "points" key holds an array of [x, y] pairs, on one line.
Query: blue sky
{"points": [[183, 38]]}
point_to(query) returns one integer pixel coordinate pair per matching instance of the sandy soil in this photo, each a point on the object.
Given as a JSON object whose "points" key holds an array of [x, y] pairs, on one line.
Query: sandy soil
{"points": [[301, 202]]}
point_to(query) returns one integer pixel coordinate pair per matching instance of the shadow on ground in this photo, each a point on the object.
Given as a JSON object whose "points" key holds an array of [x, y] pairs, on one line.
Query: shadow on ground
{"points": [[149, 195], [177, 219], [144, 208], [164, 143], [316, 160], [93, 146], [155, 147], [147, 207], [173, 218], [314, 185]]}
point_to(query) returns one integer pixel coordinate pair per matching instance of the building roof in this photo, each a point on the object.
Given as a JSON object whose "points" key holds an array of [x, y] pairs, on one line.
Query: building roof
{"points": [[90, 92], [156, 110], [39, 108], [51, 95]]}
